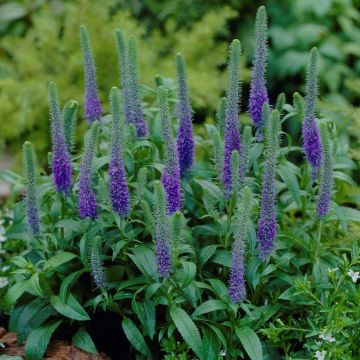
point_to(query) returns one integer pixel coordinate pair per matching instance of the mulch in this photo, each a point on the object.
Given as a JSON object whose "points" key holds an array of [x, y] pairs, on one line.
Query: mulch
{"points": [[57, 350]]}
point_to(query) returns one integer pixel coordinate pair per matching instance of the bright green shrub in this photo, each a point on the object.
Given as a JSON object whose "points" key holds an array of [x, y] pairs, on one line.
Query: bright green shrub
{"points": [[50, 51]]}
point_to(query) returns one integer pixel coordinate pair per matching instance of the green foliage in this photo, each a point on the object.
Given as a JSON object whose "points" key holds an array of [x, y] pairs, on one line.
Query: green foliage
{"points": [[23, 94], [293, 300]]}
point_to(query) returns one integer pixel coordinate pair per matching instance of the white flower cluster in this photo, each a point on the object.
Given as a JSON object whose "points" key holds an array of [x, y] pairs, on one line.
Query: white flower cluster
{"points": [[354, 275], [320, 355]]}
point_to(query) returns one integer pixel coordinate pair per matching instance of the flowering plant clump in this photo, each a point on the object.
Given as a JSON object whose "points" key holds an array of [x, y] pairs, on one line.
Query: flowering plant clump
{"points": [[223, 254]]}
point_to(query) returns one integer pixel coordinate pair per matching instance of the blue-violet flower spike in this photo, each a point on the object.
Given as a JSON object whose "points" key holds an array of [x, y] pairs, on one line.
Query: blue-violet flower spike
{"points": [[237, 288], [162, 232], [119, 192], [171, 173], [310, 130], [267, 221], [61, 158], [92, 102], [326, 178], [232, 133], [185, 138], [258, 91]]}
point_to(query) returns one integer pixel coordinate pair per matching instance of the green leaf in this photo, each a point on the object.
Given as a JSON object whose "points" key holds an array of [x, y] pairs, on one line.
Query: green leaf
{"points": [[188, 273], [135, 337], [350, 214], [188, 330], [67, 282], [206, 253], [34, 285], [83, 341], [23, 325], [144, 258], [58, 260], [38, 341], [149, 323], [222, 257], [209, 306], [291, 182], [250, 342], [15, 292], [219, 287], [71, 308]]}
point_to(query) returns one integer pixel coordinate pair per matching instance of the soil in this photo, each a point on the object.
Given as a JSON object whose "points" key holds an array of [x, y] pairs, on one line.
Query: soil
{"points": [[57, 350]]}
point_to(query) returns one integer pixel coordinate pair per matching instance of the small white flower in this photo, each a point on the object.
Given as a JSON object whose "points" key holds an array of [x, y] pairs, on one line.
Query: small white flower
{"points": [[2, 238], [2, 230], [222, 353], [354, 275], [318, 343], [1, 221], [5, 268], [3, 282], [320, 355], [327, 337]]}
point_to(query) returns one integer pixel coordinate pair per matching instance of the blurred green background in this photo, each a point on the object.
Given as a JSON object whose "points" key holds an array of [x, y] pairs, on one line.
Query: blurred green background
{"points": [[39, 42]]}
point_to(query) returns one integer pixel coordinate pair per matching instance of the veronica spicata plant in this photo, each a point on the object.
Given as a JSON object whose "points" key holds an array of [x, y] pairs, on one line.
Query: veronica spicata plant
{"points": [[258, 91], [238, 259]]}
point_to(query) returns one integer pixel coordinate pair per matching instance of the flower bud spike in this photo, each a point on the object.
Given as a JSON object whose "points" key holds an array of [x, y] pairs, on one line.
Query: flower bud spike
{"points": [[31, 174], [87, 198], [221, 116], [96, 263], [170, 177], [92, 102], [136, 110], [69, 117], [232, 134], [124, 74]]}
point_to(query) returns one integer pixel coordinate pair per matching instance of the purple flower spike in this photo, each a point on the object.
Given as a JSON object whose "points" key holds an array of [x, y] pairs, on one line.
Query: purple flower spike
{"points": [[119, 192], [326, 184], [237, 288], [92, 102], [185, 138], [171, 173], [61, 159], [162, 232], [267, 222], [232, 133], [87, 199], [258, 91], [310, 130]]}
